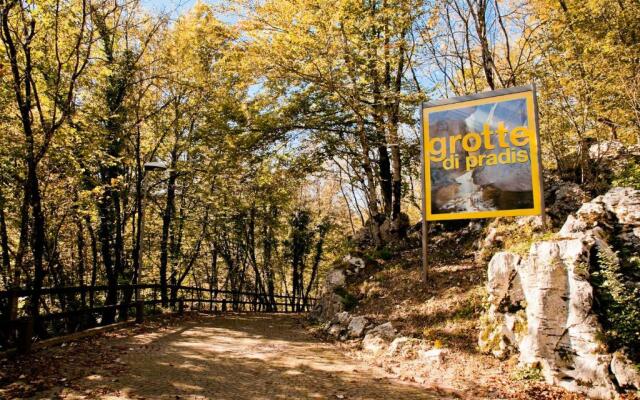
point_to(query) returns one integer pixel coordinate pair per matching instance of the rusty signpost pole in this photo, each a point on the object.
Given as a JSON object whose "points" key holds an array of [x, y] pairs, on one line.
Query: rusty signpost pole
{"points": [[543, 211], [424, 273]]}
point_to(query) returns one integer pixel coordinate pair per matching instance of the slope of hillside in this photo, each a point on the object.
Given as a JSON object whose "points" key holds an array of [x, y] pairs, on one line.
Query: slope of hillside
{"points": [[442, 314]]}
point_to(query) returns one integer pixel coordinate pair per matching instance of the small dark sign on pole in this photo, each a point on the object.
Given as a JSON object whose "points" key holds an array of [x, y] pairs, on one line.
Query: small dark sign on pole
{"points": [[480, 158]]}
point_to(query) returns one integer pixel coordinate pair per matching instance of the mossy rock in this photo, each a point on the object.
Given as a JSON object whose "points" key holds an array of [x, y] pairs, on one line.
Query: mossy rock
{"points": [[348, 300], [490, 334]]}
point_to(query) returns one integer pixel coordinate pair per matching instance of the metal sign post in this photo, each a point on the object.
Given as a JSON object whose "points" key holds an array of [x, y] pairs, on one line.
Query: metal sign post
{"points": [[425, 229]]}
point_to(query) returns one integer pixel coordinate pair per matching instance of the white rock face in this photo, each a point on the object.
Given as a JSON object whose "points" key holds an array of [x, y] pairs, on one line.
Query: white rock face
{"points": [[335, 330], [335, 278], [559, 330], [572, 227], [626, 373], [563, 331], [397, 342], [534, 221], [377, 340], [606, 150], [328, 305], [345, 326], [356, 262], [331, 300], [343, 318], [502, 278], [624, 203], [374, 344], [541, 304], [385, 331], [404, 347], [356, 327], [433, 356], [620, 206]]}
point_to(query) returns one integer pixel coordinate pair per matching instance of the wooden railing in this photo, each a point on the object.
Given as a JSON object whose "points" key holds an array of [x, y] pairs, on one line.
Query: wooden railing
{"points": [[72, 309]]}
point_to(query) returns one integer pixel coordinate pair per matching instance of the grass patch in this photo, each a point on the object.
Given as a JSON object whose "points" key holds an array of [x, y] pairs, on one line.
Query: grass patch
{"points": [[528, 373], [473, 305], [628, 177], [522, 244], [513, 237], [618, 300], [383, 253]]}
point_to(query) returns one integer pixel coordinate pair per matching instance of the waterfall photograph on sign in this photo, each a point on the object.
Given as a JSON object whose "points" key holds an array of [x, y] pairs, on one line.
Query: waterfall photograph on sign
{"points": [[482, 156]]}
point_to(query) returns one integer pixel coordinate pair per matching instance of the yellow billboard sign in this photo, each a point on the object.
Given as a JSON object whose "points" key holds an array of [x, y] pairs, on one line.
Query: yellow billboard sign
{"points": [[481, 156]]}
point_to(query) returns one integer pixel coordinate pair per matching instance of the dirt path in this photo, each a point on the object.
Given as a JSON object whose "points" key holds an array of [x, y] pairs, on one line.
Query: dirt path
{"points": [[232, 357]]}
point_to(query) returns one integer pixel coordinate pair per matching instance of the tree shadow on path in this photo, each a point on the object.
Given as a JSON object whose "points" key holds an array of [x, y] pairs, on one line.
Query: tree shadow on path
{"points": [[246, 357]]}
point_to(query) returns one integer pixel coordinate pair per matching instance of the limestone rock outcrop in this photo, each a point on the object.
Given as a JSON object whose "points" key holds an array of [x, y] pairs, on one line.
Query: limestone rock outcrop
{"points": [[378, 338], [374, 345], [563, 198], [356, 327], [626, 373], [384, 331], [541, 304], [404, 347], [330, 302], [332, 299]]}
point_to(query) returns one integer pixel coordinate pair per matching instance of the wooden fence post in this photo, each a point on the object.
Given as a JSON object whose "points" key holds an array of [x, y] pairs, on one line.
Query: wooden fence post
{"points": [[25, 334], [181, 306], [224, 305], [124, 311], [139, 312]]}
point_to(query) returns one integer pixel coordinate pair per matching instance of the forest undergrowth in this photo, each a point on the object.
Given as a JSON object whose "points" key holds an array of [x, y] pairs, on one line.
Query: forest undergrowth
{"points": [[441, 313]]}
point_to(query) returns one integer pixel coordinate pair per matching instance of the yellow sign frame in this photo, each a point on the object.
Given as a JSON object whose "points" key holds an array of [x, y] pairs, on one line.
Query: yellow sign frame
{"points": [[527, 93]]}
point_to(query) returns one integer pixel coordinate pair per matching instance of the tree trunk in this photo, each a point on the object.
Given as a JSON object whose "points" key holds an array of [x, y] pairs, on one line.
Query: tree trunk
{"points": [[213, 283], [38, 237], [94, 260], [323, 229], [81, 261], [136, 253], [384, 168], [480, 18], [394, 119], [267, 246], [4, 244], [118, 250], [372, 198], [108, 316], [251, 242], [23, 239], [164, 241]]}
